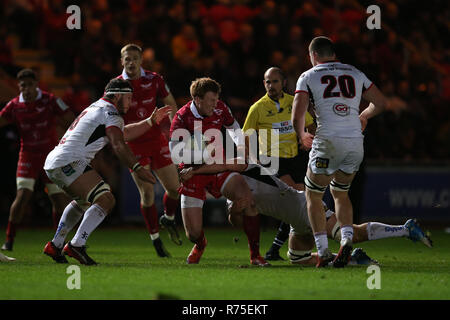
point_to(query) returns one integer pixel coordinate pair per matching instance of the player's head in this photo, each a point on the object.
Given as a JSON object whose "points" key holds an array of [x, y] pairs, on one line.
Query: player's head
{"points": [[131, 58], [274, 81], [27, 84], [119, 92], [205, 92], [321, 49]]}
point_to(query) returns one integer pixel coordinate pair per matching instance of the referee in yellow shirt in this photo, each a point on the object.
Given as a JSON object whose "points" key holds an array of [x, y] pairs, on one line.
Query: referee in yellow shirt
{"points": [[273, 111]]}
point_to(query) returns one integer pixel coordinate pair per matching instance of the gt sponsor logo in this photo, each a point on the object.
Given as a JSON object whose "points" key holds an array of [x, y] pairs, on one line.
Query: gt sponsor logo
{"points": [[341, 109]]}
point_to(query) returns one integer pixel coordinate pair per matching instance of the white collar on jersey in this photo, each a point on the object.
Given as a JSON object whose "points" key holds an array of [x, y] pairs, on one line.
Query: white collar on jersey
{"points": [[195, 111], [126, 77], [39, 95]]}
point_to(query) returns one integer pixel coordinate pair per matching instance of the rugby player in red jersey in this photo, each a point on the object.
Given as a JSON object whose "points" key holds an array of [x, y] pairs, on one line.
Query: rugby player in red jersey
{"points": [[206, 113], [36, 114], [151, 149]]}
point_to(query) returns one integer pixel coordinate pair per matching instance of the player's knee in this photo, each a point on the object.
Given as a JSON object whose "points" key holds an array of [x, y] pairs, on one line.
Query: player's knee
{"points": [[339, 189], [147, 196], [107, 201], [101, 195], [298, 256], [173, 193], [314, 188]]}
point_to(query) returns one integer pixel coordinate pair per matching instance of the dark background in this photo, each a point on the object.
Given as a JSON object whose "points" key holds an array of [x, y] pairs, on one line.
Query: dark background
{"points": [[234, 42]]}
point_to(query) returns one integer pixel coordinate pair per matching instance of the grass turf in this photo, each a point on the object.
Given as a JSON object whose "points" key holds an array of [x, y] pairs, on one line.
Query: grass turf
{"points": [[129, 269]]}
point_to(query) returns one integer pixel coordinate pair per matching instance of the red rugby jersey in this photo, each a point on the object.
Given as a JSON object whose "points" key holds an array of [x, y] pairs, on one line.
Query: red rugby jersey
{"points": [[146, 90], [35, 120]]}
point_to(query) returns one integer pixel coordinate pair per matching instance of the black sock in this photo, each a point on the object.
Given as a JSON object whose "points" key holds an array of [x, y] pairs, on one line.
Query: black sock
{"points": [[281, 237]]}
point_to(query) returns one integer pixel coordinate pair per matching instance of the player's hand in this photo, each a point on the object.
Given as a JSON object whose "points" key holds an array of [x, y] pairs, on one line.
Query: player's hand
{"points": [[186, 174], [306, 140], [145, 175], [159, 114], [363, 122]]}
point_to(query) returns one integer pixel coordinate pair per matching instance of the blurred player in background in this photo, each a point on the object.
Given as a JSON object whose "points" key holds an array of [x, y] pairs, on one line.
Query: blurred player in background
{"points": [[151, 149], [36, 114], [208, 111], [337, 150], [275, 198], [68, 165], [273, 111]]}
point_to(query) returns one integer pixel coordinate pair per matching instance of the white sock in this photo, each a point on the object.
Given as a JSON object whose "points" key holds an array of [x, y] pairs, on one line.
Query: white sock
{"points": [[169, 217], [321, 242], [92, 218], [70, 217], [154, 236], [376, 230], [346, 233]]}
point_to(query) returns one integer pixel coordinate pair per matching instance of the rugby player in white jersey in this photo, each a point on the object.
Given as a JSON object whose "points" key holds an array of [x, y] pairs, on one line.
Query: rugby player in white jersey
{"points": [[68, 165], [335, 89], [275, 198]]}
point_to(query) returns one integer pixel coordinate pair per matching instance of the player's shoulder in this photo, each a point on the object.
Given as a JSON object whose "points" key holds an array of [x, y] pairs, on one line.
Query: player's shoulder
{"points": [[151, 75], [185, 111], [13, 102]]}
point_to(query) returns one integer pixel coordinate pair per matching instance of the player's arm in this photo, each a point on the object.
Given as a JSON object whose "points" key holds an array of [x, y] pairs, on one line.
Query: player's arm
{"points": [[134, 130], [235, 166], [377, 104], [125, 155], [169, 100], [299, 107]]}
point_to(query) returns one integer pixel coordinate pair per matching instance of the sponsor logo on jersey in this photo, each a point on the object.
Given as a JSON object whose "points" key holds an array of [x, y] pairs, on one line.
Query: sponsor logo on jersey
{"points": [[147, 101], [112, 113], [146, 86], [141, 112], [341, 109], [283, 127]]}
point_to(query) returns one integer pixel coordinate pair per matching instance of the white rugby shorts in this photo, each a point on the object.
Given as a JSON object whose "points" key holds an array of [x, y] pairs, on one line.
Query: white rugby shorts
{"points": [[66, 175], [329, 154]]}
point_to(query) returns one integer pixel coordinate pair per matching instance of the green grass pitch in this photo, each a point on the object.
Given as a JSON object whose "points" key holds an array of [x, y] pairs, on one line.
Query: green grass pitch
{"points": [[129, 269]]}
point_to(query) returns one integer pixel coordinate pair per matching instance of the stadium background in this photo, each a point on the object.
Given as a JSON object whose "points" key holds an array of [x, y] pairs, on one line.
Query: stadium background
{"points": [[407, 167]]}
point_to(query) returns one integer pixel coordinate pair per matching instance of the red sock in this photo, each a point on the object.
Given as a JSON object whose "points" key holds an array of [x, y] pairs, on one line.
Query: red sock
{"points": [[170, 205], [151, 218], [251, 228], [200, 241], [10, 231]]}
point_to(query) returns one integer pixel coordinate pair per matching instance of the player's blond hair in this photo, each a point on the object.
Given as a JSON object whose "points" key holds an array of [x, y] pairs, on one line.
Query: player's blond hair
{"points": [[130, 47], [200, 86]]}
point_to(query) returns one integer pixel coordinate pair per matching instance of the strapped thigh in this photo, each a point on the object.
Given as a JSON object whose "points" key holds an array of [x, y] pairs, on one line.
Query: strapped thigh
{"points": [[311, 186], [97, 191], [339, 186]]}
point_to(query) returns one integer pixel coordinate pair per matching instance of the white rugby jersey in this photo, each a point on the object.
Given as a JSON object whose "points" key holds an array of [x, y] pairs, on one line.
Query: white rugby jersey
{"points": [[335, 89], [86, 136]]}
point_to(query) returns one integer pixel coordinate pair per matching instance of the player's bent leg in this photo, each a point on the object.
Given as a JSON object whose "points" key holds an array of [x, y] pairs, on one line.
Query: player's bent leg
{"points": [[191, 212], [316, 185], [90, 188], [169, 178], [300, 247], [237, 190], [16, 214], [149, 213], [59, 201]]}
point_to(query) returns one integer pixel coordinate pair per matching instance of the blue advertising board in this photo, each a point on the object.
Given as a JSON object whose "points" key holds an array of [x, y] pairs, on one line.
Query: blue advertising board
{"points": [[393, 192]]}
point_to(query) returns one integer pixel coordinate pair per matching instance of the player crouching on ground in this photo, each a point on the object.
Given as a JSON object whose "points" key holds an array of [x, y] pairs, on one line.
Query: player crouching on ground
{"points": [[68, 165], [273, 197]]}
